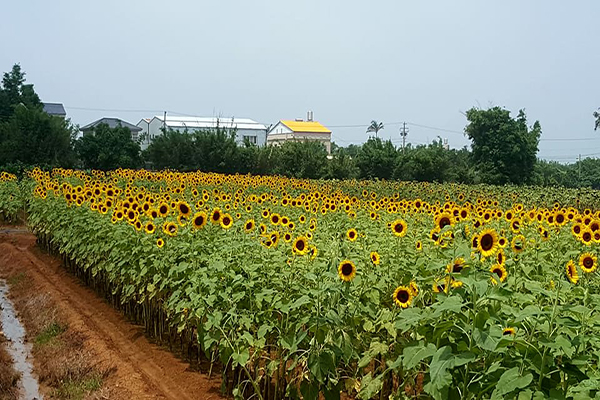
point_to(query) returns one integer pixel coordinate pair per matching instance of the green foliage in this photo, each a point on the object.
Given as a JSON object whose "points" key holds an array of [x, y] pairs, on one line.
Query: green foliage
{"points": [[29, 136], [375, 127], [377, 159], [504, 148], [108, 148], [14, 92]]}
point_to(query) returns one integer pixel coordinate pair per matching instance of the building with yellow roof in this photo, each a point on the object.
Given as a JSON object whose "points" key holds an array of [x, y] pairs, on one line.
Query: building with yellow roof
{"points": [[300, 130]]}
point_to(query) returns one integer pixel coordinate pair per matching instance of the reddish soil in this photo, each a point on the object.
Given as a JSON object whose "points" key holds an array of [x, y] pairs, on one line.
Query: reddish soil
{"points": [[142, 370]]}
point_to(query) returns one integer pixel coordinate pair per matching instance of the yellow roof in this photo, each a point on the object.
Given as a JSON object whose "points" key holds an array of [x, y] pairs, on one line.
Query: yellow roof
{"points": [[305, 126]]}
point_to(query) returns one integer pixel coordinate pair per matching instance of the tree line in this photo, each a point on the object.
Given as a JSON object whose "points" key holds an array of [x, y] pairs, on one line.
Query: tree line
{"points": [[503, 150]]}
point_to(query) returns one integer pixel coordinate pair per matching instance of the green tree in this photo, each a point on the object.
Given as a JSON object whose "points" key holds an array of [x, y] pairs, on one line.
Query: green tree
{"points": [[377, 159], [108, 148], [14, 92], [299, 159], [172, 150], [32, 137], [504, 148], [375, 127]]}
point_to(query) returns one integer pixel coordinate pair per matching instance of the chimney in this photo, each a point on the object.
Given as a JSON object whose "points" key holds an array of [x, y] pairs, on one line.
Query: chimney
{"points": [[309, 116]]}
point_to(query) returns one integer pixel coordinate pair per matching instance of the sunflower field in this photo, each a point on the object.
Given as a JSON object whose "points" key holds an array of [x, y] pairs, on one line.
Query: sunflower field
{"points": [[340, 289]]}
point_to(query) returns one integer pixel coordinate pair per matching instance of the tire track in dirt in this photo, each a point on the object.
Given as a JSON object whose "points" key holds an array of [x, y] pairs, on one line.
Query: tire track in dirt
{"points": [[143, 370]]}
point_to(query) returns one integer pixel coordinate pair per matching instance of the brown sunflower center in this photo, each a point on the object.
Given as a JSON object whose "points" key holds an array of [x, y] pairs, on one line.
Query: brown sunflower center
{"points": [[456, 268], [199, 220], [403, 296], [498, 272], [346, 269], [184, 209], [249, 225], [351, 234], [587, 237], [487, 242], [588, 262], [444, 222], [163, 209], [216, 216], [300, 245], [560, 218], [226, 221], [398, 228]]}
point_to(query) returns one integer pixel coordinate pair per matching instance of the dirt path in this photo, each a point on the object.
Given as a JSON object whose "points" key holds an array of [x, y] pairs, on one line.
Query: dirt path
{"points": [[142, 369]]}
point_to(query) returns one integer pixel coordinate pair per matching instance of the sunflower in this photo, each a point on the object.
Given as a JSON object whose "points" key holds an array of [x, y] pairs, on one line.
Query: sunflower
{"points": [[275, 219], [487, 242], [441, 285], [262, 228], [170, 228], [500, 258], [500, 273], [572, 273], [402, 296], [199, 220], [518, 243], [184, 208], [287, 237], [375, 257], [160, 242], [444, 219], [300, 245], [456, 266], [502, 242], [150, 227], [346, 270], [163, 209], [351, 234], [414, 288], [509, 332], [226, 221], [418, 245], [515, 225], [586, 236], [313, 252], [398, 227], [588, 262], [215, 216]]}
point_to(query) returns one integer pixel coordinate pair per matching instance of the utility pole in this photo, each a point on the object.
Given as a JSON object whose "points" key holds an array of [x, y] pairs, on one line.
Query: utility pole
{"points": [[403, 133], [165, 121]]}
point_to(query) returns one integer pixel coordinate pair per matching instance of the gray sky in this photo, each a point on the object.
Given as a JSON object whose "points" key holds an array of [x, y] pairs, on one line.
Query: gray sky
{"points": [[422, 62]]}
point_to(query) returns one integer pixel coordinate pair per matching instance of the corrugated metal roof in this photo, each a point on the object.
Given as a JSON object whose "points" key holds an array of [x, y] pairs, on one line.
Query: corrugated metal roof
{"points": [[211, 122], [112, 123], [305, 126], [54, 109]]}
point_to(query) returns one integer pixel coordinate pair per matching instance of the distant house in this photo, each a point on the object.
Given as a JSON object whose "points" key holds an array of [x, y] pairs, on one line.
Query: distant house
{"points": [[112, 123], [299, 130], [246, 129], [55, 109]]}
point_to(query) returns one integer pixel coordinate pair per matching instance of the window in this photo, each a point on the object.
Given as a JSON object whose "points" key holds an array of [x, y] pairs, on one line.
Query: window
{"points": [[250, 139]]}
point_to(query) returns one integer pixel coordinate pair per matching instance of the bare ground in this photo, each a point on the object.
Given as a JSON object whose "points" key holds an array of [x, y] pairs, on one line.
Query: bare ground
{"points": [[94, 340]]}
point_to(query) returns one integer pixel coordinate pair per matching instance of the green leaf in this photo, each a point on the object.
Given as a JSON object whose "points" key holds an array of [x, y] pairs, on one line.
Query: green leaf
{"points": [[452, 303], [484, 340], [511, 380], [370, 386], [321, 364], [408, 319], [442, 361], [413, 355]]}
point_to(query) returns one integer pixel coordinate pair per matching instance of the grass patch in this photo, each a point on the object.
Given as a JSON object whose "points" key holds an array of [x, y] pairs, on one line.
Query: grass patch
{"points": [[16, 279], [49, 333], [77, 389]]}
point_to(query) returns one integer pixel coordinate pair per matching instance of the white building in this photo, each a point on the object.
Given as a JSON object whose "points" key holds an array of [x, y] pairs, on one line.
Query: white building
{"points": [[246, 129], [299, 130]]}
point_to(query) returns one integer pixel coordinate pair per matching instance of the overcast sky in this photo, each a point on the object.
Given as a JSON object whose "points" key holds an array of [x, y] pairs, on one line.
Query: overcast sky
{"points": [[423, 62]]}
